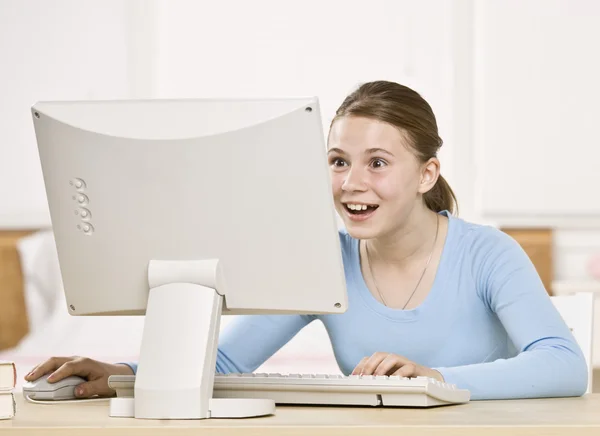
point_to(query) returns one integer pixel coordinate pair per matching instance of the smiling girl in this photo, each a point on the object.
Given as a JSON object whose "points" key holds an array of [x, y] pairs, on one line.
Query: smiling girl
{"points": [[429, 294]]}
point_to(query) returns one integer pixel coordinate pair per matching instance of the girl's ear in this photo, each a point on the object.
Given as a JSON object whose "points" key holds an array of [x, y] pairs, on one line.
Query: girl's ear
{"points": [[429, 174]]}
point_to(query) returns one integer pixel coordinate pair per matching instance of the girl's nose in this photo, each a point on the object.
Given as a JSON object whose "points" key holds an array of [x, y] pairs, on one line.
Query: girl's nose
{"points": [[354, 181]]}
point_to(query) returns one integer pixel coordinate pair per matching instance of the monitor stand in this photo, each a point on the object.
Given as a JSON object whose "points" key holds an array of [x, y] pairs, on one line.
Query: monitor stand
{"points": [[177, 363]]}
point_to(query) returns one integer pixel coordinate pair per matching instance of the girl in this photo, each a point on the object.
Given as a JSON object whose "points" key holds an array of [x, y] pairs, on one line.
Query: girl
{"points": [[429, 294]]}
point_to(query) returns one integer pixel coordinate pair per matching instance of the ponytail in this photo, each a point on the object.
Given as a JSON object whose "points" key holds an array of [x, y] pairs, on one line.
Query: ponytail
{"points": [[441, 197]]}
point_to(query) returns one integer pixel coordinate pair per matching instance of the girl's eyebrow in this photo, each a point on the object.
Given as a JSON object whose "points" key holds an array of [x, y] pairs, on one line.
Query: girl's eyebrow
{"points": [[378, 150], [368, 151]]}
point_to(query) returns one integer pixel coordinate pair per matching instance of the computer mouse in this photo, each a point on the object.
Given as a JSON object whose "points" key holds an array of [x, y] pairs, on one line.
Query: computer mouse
{"points": [[42, 389]]}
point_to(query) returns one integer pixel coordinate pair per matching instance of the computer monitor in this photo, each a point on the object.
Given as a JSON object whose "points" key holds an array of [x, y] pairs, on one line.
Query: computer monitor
{"points": [[184, 210]]}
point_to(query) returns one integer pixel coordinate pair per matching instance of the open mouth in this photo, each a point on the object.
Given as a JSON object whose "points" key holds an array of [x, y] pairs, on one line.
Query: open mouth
{"points": [[360, 209]]}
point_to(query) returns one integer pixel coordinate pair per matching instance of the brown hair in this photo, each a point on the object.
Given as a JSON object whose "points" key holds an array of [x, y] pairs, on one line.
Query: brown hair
{"points": [[405, 109]]}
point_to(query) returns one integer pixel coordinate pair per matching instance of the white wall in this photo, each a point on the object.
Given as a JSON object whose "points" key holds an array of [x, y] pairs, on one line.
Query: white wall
{"points": [[63, 49], [274, 48], [459, 54], [536, 111], [71, 49]]}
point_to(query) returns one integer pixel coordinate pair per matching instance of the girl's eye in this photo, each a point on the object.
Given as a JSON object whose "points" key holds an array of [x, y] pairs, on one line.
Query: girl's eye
{"points": [[337, 162], [378, 163]]}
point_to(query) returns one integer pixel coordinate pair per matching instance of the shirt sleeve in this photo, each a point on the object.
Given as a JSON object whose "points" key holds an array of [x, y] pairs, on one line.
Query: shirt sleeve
{"points": [[549, 362], [249, 340]]}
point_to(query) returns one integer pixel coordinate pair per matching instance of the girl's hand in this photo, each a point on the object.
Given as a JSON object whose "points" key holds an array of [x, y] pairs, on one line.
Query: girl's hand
{"points": [[95, 372], [393, 364]]}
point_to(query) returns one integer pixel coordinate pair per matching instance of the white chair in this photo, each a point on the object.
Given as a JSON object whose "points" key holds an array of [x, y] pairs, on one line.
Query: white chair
{"points": [[577, 310]]}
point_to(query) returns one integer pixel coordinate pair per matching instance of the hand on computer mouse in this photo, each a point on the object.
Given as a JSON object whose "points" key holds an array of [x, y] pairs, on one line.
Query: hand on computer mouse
{"points": [[95, 372]]}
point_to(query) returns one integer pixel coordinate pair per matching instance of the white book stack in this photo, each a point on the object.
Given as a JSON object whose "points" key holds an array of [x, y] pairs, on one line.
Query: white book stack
{"points": [[8, 380]]}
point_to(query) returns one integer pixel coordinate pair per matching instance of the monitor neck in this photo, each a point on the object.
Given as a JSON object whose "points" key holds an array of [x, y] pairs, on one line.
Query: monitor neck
{"points": [[177, 363]]}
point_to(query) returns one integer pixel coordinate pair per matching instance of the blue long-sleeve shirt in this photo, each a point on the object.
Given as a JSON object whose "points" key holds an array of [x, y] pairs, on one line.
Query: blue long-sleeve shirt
{"points": [[487, 324]]}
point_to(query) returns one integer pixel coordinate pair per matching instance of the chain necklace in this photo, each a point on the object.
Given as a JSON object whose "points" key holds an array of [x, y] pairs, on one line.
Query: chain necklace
{"points": [[422, 274]]}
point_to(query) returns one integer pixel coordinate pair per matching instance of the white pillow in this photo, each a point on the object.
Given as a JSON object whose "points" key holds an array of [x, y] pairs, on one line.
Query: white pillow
{"points": [[41, 275]]}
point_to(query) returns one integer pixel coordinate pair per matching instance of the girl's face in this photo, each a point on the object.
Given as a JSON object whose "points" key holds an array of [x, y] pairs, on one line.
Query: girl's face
{"points": [[376, 178]]}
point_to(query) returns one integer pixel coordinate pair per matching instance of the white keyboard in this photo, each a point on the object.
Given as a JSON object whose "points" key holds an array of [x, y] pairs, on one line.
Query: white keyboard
{"points": [[323, 389]]}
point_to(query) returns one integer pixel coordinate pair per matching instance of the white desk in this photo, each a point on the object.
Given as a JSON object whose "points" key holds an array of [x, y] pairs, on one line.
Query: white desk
{"points": [[544, 417]]}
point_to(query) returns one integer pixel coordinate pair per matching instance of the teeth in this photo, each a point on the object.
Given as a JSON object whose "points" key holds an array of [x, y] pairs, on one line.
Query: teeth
{"points": [[357, 206]]}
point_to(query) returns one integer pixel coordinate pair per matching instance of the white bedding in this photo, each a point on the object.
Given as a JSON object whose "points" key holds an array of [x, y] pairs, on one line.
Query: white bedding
{"points": [[53, 332]]}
